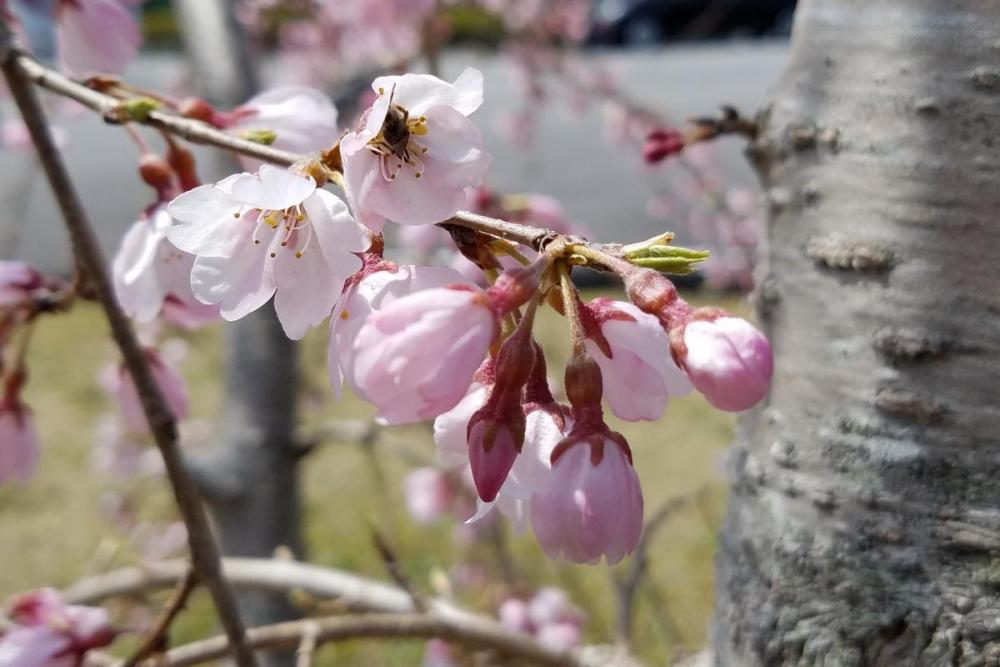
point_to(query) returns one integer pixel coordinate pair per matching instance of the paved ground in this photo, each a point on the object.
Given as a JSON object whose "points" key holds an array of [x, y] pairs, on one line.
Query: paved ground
{"points": [[601, 184]]}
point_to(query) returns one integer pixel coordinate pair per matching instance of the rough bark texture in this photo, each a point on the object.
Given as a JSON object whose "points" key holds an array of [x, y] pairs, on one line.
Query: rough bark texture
{"points": [[864, 522], [251, 479]]}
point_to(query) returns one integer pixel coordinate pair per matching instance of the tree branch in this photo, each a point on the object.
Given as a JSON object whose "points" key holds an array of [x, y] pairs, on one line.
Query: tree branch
{"points": [[394, 613], [199, 132], [154, 639], [204, 551]]}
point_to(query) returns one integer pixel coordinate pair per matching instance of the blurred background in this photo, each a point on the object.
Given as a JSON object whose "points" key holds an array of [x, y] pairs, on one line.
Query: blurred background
{"points": [[570, 98]]}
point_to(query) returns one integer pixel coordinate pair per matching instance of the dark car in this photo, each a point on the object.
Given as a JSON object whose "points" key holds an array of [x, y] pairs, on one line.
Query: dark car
{"points": [[635, 22]]}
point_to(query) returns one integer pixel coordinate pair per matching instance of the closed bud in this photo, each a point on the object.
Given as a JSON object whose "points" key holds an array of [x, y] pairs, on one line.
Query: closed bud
{"points": [[495, 440], [661, 144], [513, 288], [198, 109], [183, 163], [155, 171]]}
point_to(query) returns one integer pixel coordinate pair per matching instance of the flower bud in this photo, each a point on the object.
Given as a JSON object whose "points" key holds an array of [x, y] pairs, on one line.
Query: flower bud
{"points": [[661, 144], [584, 386], [181, 160], [726, 358], [513, 288], [155, 171], [198, 109], [495, 439], [592, 505]]}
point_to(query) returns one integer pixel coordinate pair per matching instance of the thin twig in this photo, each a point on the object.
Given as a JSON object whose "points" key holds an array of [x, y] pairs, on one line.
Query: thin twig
{"points": [[395, 568], [199, 132], [523, 649], [204, 551], [154, 641], [307, 647], [627, 585], [357, 593]]}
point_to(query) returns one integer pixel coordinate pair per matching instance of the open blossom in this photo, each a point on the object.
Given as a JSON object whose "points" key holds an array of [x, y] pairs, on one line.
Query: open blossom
{"points": [[371, 293], [633, 352], [19, 444], [416, 151], [303, 119], [727, 359], [95, 36], [171, 384], [268, 233], [46, 632], [415, 358], [152, 276], [592, 506]]}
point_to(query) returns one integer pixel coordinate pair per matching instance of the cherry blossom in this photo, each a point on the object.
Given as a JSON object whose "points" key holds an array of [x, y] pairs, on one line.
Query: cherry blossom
{"points": [[268, 233], [303, 119], [95, 36], [17, 282], [415, 358], [428, 493], [370, 293], [633, 352], [416, 152], [19, 445], [46, 632], [171, 384], [153, 277], [727, 359], [592, 506]]}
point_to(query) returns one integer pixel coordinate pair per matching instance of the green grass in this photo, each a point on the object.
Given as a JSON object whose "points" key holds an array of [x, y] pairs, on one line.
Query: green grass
{"points": [[54, 531]]}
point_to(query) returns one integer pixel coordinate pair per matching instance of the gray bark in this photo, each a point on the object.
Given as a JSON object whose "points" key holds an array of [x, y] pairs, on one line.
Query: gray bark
{"points": [[864, 522], [250, 480]]}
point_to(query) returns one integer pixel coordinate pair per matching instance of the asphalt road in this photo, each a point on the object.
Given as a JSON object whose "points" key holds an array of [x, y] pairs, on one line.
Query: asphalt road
{"points": [[602, 184]]}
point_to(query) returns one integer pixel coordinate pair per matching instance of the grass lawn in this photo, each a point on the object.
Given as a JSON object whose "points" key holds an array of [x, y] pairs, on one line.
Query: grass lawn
{"points": [[54, 530]]}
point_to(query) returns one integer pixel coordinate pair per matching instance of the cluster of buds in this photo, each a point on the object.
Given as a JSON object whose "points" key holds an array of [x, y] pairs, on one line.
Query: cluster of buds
{"points": [[46, 632]]}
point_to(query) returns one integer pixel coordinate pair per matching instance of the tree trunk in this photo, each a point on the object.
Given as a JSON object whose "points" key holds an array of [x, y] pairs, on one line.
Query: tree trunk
{"points": [[864, 522], [251, 479]]}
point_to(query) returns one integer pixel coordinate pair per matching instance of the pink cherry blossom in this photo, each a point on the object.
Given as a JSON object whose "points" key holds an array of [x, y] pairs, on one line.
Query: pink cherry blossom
{"points": [[95, 36], [416, 358], [17, 281], [728, 360], [268, 233], [19, 445], [370, 294], [592, 505], [428, 494], [451, 428], [490, 464], [303, 119], [633, 352], [48, 633], [416, 151], [152, 276], [171, 383]]}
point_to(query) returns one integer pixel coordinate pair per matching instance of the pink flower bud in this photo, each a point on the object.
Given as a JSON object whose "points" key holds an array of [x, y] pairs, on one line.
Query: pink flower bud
{"points": [[633, 352], [428, 494], [493, 448], [727, 359], [661, 144], [415, 358], [48, 633], [513, 614], [592, 506], [19, 444], [171, 384]]}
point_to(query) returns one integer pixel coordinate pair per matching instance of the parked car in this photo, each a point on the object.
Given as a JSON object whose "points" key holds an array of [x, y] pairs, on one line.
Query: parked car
{"points": [[639, 22]]}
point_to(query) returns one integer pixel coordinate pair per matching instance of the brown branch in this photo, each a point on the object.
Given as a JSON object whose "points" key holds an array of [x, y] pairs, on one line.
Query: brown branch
{"points": [[199, 132], [355, 592], [492, 636], [155, 638], [204, 551]]}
